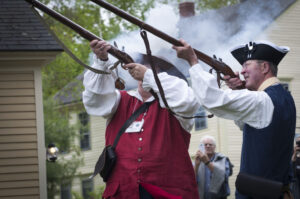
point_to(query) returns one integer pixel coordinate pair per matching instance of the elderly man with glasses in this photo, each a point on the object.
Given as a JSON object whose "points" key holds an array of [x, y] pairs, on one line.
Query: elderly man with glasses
{"points": [[212, 170]]}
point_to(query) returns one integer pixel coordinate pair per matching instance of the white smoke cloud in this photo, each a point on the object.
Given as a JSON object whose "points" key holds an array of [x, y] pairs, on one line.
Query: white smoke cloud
{"points": [[210, 32], [163, 18]]}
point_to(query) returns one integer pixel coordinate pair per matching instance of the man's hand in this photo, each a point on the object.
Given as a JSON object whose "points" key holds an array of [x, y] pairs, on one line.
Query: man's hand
{"points": [[202, 156], [296, 150], [233, 82], [100, 49], [186, 52], [137, 71]]}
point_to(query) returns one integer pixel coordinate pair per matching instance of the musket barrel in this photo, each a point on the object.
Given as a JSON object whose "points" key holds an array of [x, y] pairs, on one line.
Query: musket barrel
{"points": [[217, 65], [125, 58]]}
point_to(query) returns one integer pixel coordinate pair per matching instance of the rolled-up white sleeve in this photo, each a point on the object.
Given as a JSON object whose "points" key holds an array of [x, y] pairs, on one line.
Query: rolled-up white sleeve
{"points": [[100, 97], [251, 107], [179, 95]]}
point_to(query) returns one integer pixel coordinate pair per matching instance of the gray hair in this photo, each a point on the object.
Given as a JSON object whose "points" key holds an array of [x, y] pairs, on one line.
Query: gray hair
{"points": [[208, 137]]}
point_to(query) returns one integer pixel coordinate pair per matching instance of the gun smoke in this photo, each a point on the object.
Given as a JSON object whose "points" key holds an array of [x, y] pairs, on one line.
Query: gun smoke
{"points": [[214, 32]]}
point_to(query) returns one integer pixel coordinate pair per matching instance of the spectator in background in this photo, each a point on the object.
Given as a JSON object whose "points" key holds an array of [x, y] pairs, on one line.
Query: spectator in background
{"points": [[212, 170]]}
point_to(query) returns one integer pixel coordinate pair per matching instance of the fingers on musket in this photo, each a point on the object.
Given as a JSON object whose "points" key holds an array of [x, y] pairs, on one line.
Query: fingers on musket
{"points": [[93, 43]]}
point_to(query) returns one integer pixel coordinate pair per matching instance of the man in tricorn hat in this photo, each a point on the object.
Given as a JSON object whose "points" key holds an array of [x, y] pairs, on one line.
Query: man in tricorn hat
{"points": [[265, 110], [152, 155]]}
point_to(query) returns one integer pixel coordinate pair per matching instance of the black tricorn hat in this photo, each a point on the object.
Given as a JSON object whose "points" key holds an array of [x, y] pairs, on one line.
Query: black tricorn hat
{"points": [[160, 64], [262, 50]]}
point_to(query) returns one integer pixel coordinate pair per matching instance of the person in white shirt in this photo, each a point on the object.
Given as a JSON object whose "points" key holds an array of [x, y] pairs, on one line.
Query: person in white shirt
{"points": [[264, 110]]}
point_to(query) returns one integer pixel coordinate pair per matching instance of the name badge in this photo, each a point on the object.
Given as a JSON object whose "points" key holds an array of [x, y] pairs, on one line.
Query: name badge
{"points": [[135, 127]]}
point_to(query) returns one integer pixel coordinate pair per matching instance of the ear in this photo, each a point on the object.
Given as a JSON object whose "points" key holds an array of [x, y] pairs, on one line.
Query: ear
{"points": [[265, 67]]}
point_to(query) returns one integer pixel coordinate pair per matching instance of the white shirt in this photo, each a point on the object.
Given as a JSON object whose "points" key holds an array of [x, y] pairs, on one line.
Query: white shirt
{"points": [[100, 97], [254, 108]]}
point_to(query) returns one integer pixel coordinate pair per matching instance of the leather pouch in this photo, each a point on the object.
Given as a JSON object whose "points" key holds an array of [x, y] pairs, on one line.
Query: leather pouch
{"points": [[258, 187], [106, 162]]}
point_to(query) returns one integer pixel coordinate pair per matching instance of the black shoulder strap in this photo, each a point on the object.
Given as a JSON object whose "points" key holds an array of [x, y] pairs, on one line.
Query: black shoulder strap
{"points": [[140, 110], [157, 81]]}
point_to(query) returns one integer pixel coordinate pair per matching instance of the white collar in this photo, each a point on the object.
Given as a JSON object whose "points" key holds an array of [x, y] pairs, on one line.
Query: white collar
{"points": [[136, 94]]}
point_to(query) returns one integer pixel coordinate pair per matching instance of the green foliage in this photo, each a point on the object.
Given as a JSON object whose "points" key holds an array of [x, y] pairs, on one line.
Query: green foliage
{"points": [[57, 128], [60, 173], [96, 194]]}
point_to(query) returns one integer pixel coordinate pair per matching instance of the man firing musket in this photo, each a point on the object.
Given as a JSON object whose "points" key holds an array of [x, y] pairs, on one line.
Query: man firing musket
{"points": [[152, 154], [265, 111]]}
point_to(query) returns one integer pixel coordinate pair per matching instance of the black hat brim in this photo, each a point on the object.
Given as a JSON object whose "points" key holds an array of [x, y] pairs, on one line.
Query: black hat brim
{"points": [[265, 51]]}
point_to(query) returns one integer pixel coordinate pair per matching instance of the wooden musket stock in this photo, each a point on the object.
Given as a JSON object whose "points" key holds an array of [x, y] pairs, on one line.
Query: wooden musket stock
{"points": [[122, 56], [214, 63]]}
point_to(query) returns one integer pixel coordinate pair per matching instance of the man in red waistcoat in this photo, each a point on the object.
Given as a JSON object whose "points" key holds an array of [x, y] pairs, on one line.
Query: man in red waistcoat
{"points": [[153, 160]]}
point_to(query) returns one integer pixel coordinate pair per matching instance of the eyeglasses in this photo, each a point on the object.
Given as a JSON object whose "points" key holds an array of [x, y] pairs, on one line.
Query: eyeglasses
{"points": [[207, 144]]}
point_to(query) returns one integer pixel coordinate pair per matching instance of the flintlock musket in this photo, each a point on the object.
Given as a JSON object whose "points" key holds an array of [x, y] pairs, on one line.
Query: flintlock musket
{"points": [[218, 65], [122, 56]]}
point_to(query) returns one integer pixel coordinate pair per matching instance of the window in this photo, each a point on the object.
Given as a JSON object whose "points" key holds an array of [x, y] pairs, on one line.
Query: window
{"points": [[65, 191], [84, 131], [87, 187], [200, 123]]}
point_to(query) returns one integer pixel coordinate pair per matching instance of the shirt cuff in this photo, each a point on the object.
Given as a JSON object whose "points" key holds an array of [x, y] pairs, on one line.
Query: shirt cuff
{"points": [[148, 80], [101, 65]]}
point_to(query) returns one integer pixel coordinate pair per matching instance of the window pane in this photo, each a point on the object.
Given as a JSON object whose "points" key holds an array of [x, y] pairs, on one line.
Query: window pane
{"points": [[65, 191], [84, 131], [85, 141], [200, 123], [84, 118], [87, 187]]}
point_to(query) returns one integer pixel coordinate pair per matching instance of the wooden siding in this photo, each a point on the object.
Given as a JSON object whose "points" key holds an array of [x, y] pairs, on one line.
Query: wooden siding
{"points": [[19, 169]]}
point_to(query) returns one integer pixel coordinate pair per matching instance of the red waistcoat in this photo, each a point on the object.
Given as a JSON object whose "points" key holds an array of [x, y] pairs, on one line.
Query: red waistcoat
{"points": [[158, 155]]}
